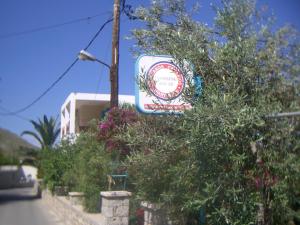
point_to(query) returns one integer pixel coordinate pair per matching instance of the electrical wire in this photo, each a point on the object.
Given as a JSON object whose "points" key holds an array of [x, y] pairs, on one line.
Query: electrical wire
{"points": [[48, 27], [11, 113], [18, 116], [45, 92], [98, 32], [14, 113]]}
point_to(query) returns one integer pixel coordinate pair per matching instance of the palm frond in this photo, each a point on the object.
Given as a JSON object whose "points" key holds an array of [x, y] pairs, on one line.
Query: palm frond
{"points": [[46, 129], [26, 132]]}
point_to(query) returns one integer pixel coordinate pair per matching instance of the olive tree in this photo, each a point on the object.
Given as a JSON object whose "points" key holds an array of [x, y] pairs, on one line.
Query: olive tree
{"points": [[228, 156]]}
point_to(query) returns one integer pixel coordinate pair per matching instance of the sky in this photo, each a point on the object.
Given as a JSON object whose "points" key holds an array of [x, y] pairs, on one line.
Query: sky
{"points": [[31, 62]]}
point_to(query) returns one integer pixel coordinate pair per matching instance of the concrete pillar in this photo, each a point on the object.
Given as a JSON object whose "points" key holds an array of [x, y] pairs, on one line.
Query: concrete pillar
{"points": [[76, 198], [154, 214], [115, 207], [38, 187], [60, 190], [73, 115]]}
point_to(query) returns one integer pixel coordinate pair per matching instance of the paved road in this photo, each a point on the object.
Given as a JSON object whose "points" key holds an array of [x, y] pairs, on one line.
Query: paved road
{"points": [[19, 206]]}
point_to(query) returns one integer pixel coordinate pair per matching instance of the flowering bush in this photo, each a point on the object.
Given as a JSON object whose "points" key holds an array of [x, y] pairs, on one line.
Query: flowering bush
{"points": [[117, 119]]}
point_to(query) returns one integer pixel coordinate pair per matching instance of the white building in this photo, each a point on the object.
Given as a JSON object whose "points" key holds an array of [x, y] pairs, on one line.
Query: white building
{"points": [[80, 108]]}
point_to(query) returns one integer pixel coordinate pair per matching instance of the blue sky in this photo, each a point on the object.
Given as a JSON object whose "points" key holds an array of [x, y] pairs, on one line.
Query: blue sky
{"points": [[30, 63]]}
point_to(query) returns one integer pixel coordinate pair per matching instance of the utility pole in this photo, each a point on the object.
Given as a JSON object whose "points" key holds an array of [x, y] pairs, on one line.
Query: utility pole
{"points": [[114, 69]]}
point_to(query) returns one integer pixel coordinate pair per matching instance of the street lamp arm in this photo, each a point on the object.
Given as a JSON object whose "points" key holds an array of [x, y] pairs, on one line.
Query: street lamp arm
{"points": [[84, 55]]}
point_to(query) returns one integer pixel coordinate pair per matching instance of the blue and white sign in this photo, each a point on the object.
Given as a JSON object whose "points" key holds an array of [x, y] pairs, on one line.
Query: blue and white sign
{"points": [[162, 83]]}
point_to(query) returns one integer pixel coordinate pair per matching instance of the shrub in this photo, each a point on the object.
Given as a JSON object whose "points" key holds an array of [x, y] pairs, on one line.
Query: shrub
{"points": [[93, 164], [230, 157], [52, 167]]}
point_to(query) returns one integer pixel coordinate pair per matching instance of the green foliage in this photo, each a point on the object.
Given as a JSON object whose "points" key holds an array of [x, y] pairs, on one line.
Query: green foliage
{"points": [[54, 165], [204, 159], [92, 168], [226, 155], [81, 166], [160, 167], [219, 135]]}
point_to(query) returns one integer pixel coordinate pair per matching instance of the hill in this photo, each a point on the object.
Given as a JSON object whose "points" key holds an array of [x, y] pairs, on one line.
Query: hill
{"points": [[12, 145]]}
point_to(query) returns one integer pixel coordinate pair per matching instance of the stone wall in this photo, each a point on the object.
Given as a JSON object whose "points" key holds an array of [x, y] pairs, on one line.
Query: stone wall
{"points": [[115, 209], [70, 214]]}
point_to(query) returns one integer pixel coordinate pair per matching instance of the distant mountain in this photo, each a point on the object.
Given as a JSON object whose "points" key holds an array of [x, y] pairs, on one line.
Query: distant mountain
{"points": [[13, 145]]}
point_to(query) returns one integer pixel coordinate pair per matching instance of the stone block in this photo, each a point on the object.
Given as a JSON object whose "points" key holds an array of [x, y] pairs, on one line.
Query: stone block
{"points": [[76, 198], [154, 214], [60, 190], [107, 211], [115, 194], [115, 211], [121, 211], [109, 202], [117, 221], [115, 207]]}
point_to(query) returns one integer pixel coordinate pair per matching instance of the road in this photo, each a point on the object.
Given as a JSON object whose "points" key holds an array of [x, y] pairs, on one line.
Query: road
{"points": [[19, 206]]}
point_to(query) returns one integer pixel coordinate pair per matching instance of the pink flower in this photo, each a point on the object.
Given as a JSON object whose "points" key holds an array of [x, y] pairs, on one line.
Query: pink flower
{"points": [[110, 145], [105, 127]]}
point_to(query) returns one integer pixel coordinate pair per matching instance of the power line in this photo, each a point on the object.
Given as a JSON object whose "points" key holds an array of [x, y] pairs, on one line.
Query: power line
{"points": [[46, 91], [48, 27], [14, 113], [18, 116], [10, 113], [98, 32]]}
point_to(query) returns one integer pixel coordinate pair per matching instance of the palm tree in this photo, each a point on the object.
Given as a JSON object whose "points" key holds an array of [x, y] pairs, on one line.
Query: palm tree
{"points": [[46, 131]]}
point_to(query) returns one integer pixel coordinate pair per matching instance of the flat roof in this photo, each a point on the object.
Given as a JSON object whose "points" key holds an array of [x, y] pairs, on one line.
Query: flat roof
{"points": [[97, 97]]}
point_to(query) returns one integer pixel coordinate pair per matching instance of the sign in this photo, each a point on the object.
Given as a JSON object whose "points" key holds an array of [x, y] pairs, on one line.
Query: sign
{"points": [[162, 83]]}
